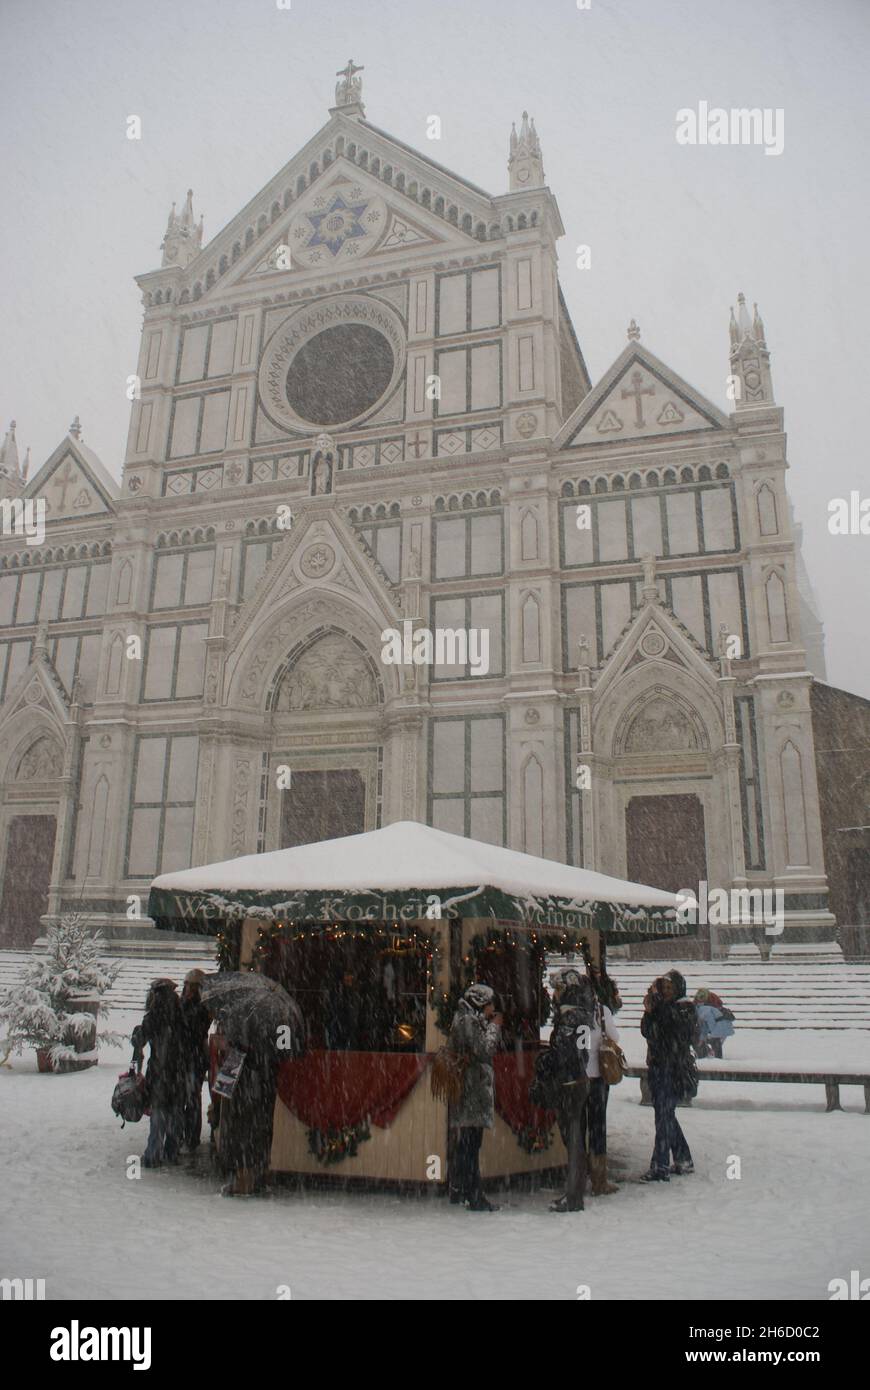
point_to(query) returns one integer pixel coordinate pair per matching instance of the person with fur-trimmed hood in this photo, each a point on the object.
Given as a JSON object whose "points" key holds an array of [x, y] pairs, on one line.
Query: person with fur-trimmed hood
{"points": [[668, 1024], [573, 1019], [475, 1033]]}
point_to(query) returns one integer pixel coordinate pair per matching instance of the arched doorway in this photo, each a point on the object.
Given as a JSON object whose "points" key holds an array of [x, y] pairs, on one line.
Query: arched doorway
{"points": [[664, 834], [30, 828], [325, 704]]}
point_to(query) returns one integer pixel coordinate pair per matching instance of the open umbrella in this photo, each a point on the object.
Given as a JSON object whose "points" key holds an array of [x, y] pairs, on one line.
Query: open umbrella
{"points": [[252, 1008]]}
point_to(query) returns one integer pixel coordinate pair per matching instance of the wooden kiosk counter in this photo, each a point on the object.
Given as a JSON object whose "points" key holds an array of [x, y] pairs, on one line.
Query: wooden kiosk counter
{"points": [[376, 936]]}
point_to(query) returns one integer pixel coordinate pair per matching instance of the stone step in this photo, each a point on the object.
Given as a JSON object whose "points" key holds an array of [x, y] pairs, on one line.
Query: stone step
{"points": [[788, 993]]}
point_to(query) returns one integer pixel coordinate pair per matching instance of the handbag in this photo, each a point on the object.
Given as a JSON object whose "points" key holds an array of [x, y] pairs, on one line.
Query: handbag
{"points": [[130, 1098], [447, 1075], [611, 1058]]}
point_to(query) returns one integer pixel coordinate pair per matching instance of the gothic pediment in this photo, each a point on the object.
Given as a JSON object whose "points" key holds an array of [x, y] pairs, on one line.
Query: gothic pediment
{"points": [[320, 553], [654, 635], [639, 397], [38, 689], [344, 219], [74, 484], [412, 202], [657, 694]]}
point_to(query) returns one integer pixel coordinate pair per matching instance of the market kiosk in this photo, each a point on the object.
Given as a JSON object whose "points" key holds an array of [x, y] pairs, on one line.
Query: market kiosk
{"points": [[376, 936]]}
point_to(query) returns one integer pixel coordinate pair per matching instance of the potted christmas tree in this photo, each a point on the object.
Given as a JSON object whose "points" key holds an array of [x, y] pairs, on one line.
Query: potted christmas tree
{"points": [[55, 1005]]}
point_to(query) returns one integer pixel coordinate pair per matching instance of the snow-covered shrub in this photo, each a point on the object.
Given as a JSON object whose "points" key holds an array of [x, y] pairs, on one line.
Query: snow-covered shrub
{"points": [[35, 1012]]}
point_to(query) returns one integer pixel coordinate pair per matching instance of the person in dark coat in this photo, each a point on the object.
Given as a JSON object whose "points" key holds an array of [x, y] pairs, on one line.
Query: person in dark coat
{"points": [[668, 1024], [196, 1023], [161, 1029], [246, 1120], [574, 1016], [475, 1033]]}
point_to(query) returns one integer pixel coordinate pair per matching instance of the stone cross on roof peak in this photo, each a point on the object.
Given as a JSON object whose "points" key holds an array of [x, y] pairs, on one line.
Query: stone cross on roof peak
{"points": [[348, 91]]}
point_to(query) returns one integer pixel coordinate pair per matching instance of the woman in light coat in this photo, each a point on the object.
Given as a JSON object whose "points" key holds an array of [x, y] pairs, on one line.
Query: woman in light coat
{"points": [[475, 1033]]}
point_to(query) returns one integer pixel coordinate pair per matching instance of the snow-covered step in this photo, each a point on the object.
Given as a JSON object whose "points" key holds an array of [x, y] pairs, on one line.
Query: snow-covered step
{"points": [[787, 993], [134, 979]]}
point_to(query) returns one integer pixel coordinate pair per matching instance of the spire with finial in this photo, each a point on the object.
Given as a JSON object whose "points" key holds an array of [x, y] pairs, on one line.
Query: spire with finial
{"points": [[348, 90], [75, 428], [12, 475], [750, 359], [525, 164], [743, 324], [9, 453], [634, 332], [183, 237], [185, 221]]}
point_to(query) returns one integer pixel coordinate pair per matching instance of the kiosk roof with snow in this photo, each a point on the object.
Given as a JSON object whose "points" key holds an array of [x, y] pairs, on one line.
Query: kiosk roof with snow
{"points": [[393, 875], [342, 925]]}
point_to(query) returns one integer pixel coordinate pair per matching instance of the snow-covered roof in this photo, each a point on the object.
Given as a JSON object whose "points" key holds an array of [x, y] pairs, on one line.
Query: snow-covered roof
{"points": [[407, 856]]}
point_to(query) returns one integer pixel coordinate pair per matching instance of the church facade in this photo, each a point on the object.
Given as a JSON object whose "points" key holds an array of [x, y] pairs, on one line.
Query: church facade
{"points": [[363, 407]]}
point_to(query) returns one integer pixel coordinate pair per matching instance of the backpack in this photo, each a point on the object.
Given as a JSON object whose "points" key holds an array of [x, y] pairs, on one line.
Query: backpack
{"points": [[129, 1098], [546, 1085]]}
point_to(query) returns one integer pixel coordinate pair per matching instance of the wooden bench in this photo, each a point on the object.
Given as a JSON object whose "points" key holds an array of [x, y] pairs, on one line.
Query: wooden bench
{"points": [[832, 1081]]}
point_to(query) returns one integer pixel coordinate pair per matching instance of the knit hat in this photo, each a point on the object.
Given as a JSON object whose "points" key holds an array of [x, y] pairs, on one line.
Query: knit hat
{"points": [[478, 996]]}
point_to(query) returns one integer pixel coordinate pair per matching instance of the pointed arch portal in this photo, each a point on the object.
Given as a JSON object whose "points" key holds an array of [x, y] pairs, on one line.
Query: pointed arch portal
{"points": [[29, 854]]}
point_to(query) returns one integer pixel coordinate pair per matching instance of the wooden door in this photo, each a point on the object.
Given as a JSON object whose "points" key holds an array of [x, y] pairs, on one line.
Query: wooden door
{"points": [[322, 805], [665, 842], [29, 857]]}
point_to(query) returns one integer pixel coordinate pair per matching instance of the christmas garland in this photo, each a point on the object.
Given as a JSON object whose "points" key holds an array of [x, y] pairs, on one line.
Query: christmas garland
{"points": [[535, 1139], [333, 1145]]}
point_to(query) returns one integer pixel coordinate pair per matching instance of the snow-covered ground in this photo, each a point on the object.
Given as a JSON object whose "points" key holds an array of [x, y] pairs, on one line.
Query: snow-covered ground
{"points": [[794, 1220]]}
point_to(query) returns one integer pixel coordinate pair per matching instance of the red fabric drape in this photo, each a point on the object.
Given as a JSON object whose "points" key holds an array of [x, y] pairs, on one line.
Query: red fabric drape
{"points": [[513, 1076], [334, 1090]]}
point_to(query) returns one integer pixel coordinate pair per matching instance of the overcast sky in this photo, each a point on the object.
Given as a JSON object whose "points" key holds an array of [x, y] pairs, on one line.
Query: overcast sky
{"points": [[229, 90]]}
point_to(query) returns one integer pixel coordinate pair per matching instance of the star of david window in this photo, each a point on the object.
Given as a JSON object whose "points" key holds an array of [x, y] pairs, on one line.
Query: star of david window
{"points": [[337, 227], [338, 224]]}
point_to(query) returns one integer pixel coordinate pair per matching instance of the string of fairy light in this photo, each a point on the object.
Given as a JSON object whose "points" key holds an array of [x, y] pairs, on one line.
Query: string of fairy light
{"points": [[408, 940]]}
